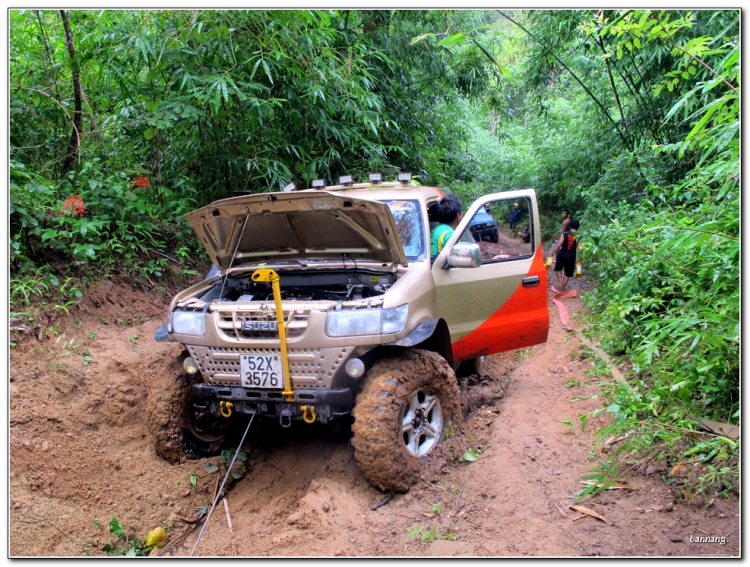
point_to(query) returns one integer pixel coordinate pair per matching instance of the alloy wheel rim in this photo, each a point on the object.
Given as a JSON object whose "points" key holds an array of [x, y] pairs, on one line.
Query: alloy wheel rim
{"points": [[422, 424]]}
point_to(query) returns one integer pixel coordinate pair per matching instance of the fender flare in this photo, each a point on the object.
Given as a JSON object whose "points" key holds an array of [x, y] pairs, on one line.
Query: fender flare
{"points": [[430, 335]]}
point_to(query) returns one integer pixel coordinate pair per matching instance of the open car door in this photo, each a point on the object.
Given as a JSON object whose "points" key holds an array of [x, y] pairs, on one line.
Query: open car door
{"points": [[501, 304]]}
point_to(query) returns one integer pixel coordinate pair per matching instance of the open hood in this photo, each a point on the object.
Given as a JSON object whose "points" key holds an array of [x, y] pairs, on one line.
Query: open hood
{"points": [[309, 225]]}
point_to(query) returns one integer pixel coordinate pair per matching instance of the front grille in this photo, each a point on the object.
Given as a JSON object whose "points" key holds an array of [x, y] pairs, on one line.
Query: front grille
{"points": [[230, 323], [308, 367]]}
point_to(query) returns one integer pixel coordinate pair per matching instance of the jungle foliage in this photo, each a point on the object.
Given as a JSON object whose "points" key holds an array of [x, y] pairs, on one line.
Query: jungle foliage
{"points": [[120, 121]]}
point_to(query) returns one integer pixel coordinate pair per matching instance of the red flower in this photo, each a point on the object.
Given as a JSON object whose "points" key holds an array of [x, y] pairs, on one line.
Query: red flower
{"points": [[73, 206], [140, 182]]}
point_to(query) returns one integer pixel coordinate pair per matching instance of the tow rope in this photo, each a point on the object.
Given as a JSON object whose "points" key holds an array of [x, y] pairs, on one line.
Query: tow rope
{"points": [[218, 494], [556, 299]]}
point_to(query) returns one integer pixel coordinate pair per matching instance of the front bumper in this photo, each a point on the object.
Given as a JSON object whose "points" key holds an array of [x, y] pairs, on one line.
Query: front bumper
{"points": [[329, 404]]}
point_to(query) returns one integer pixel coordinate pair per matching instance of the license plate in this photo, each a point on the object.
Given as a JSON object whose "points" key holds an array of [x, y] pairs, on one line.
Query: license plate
{"points": [[261, 371]]}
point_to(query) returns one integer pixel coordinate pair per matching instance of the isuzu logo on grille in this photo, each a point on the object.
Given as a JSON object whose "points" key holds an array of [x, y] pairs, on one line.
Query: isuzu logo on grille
{"points": [[260, 326]]}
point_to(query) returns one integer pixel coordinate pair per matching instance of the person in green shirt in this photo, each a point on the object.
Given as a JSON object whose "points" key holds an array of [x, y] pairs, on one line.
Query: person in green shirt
{"points": [[447, 212]]}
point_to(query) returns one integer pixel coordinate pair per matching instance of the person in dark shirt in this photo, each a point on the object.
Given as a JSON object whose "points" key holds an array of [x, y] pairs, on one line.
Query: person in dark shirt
{"points": [[515, 216], [526, 234], [566, 257]]}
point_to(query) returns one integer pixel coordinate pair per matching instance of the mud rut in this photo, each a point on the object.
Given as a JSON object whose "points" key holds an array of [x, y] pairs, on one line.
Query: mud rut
{"points": [[80, 454]]}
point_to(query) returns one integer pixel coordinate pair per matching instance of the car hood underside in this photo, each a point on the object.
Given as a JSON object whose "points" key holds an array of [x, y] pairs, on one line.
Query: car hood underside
{"points": [[306, 225]]}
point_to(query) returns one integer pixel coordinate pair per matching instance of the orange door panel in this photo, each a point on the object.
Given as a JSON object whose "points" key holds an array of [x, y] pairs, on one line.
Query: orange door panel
{"points": [[502, 304], [522, 321]]}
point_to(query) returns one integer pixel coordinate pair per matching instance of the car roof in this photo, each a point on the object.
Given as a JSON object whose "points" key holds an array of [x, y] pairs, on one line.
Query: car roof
{"points": [[386, 191]]}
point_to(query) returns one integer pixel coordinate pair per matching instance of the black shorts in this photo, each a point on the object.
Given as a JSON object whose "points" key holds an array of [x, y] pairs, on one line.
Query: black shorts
{"points": [[568, 263]]}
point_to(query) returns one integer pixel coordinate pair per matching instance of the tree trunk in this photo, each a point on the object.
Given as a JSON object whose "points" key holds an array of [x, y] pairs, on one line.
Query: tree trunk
{"points": [[75, 137]]}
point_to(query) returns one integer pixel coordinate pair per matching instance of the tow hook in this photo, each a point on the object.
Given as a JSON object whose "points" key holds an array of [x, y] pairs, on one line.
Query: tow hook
{"points": [[225, 408], [285, 413], [305, 418]]}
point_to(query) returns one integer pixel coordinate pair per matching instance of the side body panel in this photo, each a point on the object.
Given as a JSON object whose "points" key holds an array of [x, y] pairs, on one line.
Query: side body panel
{"points": [[489, 309]]}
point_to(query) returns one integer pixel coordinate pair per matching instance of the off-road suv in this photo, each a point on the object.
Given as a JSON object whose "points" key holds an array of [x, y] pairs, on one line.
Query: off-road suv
{"points": [[374, 330]]}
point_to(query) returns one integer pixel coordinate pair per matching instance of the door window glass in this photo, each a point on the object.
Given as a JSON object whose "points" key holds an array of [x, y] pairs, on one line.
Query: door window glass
{"points": [[503, 230]]}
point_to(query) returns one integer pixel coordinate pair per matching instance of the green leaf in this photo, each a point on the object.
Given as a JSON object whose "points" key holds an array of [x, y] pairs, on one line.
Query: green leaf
{"points": [[130, 195], [455, 39], [470, 455], [584, 419], [211, 468], [148, 133], [116, 528]]}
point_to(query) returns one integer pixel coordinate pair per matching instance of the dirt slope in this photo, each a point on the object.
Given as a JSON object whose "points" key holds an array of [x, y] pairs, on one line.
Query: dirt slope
{"points": [[80, 455]]}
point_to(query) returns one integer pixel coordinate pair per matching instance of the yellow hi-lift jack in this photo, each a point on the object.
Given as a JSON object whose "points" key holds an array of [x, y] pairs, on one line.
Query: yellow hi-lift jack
{"points": [[268, 275]]}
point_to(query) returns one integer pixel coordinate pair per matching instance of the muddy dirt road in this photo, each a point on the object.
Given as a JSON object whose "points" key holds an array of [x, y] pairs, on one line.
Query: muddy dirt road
{"points": [[80, 455]]}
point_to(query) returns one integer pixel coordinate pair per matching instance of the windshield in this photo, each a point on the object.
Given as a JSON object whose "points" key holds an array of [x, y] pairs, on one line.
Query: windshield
{"points": [[408, 217]]}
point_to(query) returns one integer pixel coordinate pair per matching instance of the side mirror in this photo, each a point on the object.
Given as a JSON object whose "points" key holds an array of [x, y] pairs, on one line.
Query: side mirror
{"points": [[465, 255]]}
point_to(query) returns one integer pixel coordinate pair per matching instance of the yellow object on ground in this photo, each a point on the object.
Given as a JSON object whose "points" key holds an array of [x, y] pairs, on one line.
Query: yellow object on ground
{"points": [[155, 536], [268, 275]]}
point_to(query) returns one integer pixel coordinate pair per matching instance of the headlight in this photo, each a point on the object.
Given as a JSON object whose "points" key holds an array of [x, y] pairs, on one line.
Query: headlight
{"points": [[354, 322], [394, 319], [188, 323]]}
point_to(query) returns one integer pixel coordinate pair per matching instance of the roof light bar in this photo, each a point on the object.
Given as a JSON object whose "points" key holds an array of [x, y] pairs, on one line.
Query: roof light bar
{"points": [[346, 180], [289, 188], [404, 176], [376, 178], [318, 183]]}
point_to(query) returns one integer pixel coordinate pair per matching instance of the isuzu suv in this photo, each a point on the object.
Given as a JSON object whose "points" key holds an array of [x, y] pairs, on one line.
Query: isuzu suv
{"points": [[374, 331]]}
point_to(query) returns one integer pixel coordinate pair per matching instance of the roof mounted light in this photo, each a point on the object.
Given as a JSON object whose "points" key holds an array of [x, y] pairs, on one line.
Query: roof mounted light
{"points": [[376, 178], [404, 176], [346, 180], [289, 188], [318, 183]]}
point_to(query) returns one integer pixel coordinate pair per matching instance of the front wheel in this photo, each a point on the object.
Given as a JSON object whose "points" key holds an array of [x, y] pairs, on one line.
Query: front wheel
{"points": [[178, 431], [494, 237], [400, 417]]}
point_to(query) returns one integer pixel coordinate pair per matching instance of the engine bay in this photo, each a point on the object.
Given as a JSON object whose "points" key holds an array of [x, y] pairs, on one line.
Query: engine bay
{"points": [[329, 285]]}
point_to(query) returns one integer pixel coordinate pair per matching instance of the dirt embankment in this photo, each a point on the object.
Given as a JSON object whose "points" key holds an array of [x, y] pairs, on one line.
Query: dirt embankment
{"points": [[80, 455]]}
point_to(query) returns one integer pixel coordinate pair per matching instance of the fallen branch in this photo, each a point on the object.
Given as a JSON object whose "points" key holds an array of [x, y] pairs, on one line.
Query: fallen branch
{"points": [[165, 256], [600, 353], [612, 487], [180, 539], [563, 513], [586, 512]]}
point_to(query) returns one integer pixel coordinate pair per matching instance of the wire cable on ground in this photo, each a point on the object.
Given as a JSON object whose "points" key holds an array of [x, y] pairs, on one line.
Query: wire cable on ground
{"points": [[218, 494]]}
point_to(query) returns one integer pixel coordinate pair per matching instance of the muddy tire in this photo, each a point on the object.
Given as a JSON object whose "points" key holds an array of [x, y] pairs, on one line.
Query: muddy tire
{"points": [[472, 366], [494, 237], [387, 444], [177, 436]]}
